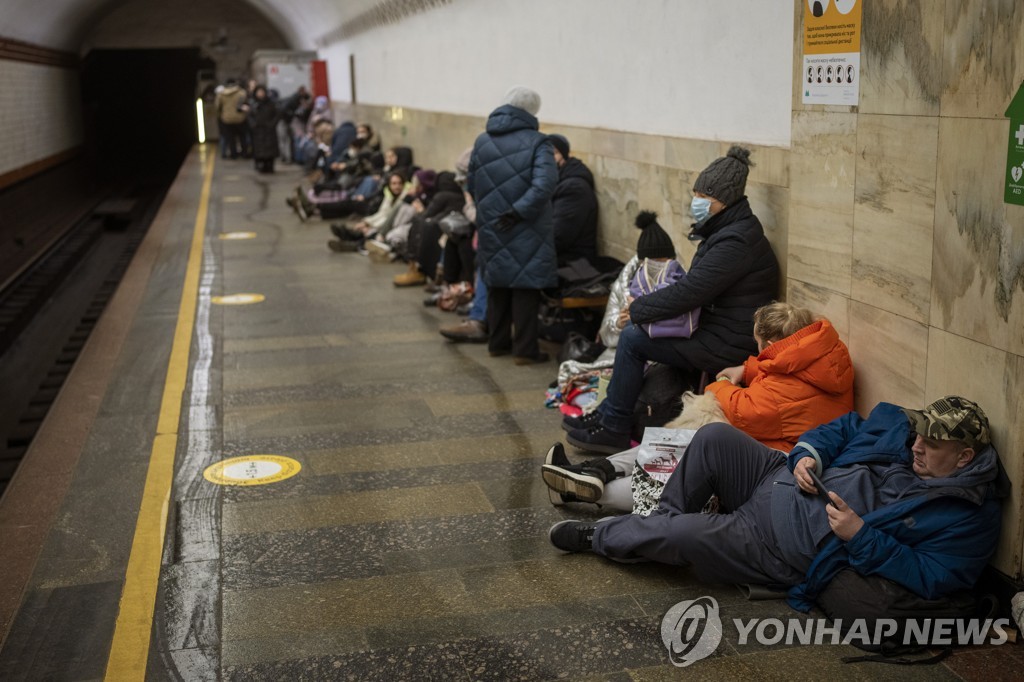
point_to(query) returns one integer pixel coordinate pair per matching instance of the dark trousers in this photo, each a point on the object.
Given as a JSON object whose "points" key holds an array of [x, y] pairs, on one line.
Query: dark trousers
{"points": [[512, 321], [634, 350], [458, 260], [342, 209], [429, 254], [234, 142], [736, 545], [265, 165]]}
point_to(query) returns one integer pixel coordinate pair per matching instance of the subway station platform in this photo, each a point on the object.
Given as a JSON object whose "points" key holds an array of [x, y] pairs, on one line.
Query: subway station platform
{"points": [[404, 538]]}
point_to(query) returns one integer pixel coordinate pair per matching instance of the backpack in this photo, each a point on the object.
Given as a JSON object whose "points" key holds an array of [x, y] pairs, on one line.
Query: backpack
{"points": [[850, 596], [661, 398]]}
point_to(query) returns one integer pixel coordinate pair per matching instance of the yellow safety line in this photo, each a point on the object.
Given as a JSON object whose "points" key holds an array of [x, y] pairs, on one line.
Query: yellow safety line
{"points": [[130, 648]]}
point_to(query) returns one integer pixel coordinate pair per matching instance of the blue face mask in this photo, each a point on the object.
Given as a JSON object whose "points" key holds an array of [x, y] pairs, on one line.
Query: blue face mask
{"points": [[700, 208]]}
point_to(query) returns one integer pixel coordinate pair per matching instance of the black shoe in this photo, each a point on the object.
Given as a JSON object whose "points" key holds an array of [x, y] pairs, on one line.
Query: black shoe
{"points": [[572, 482], [342, 247], [346, 234], [573, 536], [599, 439], [556, 456], [582, 422]]}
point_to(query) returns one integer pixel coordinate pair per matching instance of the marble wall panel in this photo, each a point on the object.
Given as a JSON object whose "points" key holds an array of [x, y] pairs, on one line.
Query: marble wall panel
{"points": [[983, 56], [649, 149], [770, 204], [901, 57], [617, 196], [978, 259], [821, 301], [690, 155], [609, 143], [822, 170], [894, 213], [666, 191], [995, 379], [890, 357]]}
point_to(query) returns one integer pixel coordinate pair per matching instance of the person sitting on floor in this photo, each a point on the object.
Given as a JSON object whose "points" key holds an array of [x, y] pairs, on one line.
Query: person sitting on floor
{"points": [[732, 273], [422, 249], [351, 237], [390, 241], [912, 496], [366, 132], [801, 377]]}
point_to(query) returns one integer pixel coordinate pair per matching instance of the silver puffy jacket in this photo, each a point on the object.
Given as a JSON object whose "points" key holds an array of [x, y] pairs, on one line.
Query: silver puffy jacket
{"points": [[609, 331]]}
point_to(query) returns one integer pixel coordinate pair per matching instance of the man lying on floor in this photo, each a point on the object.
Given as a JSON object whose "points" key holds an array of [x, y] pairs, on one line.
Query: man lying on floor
{"points": [[914, 498]]}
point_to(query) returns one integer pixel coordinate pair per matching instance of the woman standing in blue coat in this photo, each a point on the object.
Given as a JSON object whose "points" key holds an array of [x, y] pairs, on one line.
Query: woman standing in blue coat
{"points": [[512, 175]]}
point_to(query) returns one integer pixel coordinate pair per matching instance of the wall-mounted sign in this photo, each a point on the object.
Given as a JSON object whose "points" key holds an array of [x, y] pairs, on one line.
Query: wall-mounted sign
{"points": [[831, 73], [1015, 153]]}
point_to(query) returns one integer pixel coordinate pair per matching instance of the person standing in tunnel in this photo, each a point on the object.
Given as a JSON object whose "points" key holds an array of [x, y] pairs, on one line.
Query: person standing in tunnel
{"points": [[263, 117], [231, 114], [512, 176]]}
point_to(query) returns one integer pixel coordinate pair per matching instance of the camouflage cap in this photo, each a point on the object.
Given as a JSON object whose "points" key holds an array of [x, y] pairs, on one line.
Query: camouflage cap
{"points": [[952, 418]]}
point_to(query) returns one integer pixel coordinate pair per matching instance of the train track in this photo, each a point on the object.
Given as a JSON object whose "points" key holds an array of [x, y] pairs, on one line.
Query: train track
{"points": [[84, 267]]}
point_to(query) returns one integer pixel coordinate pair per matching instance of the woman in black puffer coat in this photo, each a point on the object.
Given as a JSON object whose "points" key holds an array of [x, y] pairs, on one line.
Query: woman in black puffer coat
{"points": [[732, 274], [263, 118]]}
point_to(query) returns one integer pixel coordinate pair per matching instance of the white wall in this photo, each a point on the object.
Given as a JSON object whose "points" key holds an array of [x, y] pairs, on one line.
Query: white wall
{"points": [[687, 68], [39, 113]]}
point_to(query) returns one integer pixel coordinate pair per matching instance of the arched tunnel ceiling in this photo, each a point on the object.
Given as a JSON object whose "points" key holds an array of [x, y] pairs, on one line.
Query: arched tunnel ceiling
{"points": [[64, 24]]}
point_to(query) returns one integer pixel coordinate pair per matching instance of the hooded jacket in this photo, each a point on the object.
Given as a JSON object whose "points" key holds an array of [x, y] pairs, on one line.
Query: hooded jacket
{"points": [[575, 213], [513, 169], [938, 534], [732, 274], [404, 161], [447, 197], [793, 385], [227, 103]]}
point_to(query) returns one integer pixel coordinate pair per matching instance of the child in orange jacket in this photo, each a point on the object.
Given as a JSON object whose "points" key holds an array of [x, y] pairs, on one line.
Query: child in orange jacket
{"points": [[801, 378]]}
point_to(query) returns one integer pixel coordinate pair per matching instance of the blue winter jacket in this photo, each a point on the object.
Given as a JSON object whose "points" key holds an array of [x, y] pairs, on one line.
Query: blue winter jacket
{"points": [[934, 540], [513, 169]]}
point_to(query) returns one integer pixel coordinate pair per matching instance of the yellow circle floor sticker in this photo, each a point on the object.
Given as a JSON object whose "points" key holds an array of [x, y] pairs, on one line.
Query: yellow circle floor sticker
{"points": [[237, 299], [252, 470], [235, 236]]}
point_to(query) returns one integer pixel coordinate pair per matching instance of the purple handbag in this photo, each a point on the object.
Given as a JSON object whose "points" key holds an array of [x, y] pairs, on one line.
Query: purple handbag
{"points": [[645, 282]]}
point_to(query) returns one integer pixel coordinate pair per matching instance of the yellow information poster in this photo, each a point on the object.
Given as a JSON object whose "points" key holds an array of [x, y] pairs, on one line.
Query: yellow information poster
{"points": [[831, 72]]}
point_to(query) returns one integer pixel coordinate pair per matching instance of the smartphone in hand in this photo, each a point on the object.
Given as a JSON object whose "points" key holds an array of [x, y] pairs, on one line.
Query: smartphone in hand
{"points": [[822, 492]]}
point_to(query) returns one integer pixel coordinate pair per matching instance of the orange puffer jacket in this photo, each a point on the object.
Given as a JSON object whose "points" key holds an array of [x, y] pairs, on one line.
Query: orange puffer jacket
{"points": [[794, 385]]}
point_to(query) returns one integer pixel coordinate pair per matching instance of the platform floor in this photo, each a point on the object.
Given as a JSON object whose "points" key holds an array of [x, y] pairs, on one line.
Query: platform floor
{"points": [[411, 545]]}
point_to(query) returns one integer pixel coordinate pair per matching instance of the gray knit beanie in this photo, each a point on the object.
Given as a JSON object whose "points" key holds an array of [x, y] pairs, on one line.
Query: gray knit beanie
{"points": [[725, 179], [523, 98]]}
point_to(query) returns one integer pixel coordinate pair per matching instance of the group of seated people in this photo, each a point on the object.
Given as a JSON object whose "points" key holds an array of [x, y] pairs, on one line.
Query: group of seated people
{"points": [[390, 209], [782, 484]]}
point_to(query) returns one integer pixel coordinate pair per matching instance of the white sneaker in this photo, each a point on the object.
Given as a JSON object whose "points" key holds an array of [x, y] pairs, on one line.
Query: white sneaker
{"points": [[379, 252]]}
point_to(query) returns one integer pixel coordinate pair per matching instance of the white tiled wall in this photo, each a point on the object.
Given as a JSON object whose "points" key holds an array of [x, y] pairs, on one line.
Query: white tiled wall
{"points": [[39, 113]]}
